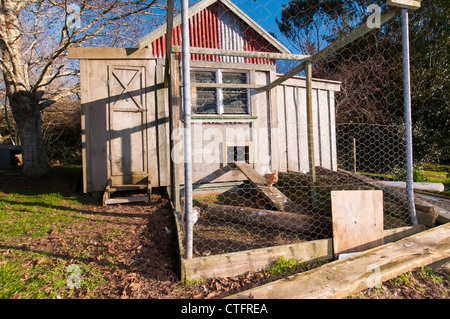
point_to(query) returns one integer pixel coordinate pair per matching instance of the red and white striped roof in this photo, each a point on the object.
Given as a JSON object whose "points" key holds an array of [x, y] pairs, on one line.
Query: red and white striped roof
{"points": [[217, 24]]}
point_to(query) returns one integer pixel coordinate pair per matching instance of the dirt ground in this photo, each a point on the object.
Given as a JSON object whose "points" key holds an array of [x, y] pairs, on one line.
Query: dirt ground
{"points": [[145, 253]]}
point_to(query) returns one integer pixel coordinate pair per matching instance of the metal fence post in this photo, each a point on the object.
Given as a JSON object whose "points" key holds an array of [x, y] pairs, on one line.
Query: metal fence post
{"points": [[408, 125], [187, 129]]}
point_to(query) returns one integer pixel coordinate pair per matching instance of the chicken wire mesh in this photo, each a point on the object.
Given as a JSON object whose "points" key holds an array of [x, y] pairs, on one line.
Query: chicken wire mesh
{"points": [[255, 182]]}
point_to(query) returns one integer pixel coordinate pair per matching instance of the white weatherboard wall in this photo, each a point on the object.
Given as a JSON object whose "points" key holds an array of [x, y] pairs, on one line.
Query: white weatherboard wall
{"points": [[293, 125], [275, 131]]}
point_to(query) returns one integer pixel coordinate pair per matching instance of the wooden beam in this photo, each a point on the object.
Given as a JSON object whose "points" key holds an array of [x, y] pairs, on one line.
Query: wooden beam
{"points": [[406, 4], [348, 276], [276, 198], [110, 54], [246, 54], [225, 85], [237, 263], [311, 151], [356, 33], [293, 222]]}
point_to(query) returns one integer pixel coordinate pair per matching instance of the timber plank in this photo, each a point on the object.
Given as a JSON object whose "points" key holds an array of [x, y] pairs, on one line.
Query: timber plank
{"points": [[345, 277], [124, 200], [277, 198]]}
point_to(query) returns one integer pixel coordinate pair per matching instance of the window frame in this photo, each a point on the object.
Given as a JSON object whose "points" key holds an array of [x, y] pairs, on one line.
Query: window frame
{"points": [[220, 109]]}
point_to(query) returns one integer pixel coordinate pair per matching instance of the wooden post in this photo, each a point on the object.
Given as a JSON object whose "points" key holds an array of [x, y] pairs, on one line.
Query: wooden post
{"points": [[174, 115], [309, 106]]}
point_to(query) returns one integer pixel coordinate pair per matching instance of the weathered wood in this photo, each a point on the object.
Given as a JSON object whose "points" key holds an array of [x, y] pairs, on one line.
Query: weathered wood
{"points": [[294, 222], [247, 54], [110, 54], [125, 200], [237, 263], [342, 278], [277, 198], [407, 4], [338, 44], [357, 220]]}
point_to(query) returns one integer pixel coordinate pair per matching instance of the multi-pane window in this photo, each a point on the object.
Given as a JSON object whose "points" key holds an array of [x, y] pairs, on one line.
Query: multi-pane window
{"points": [[216, 99]]}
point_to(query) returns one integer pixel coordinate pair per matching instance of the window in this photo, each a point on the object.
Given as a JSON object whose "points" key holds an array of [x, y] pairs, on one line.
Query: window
{"points": [[237, 154], [209, 99]]}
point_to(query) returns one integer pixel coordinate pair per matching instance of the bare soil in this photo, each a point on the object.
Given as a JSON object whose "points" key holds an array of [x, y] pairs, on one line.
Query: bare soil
{"points": [[145, 251]]}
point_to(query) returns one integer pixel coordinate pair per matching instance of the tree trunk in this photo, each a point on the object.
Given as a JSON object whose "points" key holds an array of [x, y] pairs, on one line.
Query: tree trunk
{"points": [[25, 108]]}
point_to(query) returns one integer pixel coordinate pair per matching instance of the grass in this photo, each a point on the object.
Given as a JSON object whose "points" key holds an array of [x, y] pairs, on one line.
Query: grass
{"points": [[28, 215], [35, 215], [430, 173], [286, 267]]}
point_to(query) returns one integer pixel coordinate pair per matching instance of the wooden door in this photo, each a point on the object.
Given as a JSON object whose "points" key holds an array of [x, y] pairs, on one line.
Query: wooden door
{"points": [[127, 124]]}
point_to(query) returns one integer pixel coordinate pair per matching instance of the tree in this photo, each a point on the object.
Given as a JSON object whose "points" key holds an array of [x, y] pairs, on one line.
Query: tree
{"points": [[369, 67], [430, 47], [34, 38]]}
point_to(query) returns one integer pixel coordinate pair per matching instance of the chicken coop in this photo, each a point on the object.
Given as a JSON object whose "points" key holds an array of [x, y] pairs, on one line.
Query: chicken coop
{"points": [[264, 146], [130, 119]]}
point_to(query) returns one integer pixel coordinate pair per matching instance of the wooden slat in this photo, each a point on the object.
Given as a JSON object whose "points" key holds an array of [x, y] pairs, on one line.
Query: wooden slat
{"points": [[277, 198], [124, 200], [247, 54], [353, 274]]}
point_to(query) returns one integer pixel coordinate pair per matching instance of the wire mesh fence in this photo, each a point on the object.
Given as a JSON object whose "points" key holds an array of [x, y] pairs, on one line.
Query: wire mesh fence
{"points": [[266, 161]]}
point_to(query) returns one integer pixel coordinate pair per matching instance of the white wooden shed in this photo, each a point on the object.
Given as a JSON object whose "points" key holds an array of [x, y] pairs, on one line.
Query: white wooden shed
{"points": [[131, 119]]}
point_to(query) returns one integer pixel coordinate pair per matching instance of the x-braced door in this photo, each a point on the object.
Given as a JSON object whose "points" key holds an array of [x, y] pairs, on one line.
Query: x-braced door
{"points": [[127, 121]]}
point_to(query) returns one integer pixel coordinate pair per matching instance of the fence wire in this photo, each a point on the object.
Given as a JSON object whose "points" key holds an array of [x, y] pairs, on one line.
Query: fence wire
{"points": [[358, 122]]}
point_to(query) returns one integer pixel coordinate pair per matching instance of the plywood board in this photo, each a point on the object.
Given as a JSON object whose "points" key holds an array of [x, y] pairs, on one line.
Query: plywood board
{"points": [[357, 218]]}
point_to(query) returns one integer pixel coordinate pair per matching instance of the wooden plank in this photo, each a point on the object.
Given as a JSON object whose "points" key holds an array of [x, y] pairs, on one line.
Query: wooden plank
{"points": [[407, 4], [277, 198], [263, 162], [162, 113], [357, 220], [324, 129], [282, 144], [247, 54], [237, 263], [332, 113], [345, 277], [291, 129], [293, 222], [275, 148], [125, 200], [338, 44], [109, 54], [303, 130]]}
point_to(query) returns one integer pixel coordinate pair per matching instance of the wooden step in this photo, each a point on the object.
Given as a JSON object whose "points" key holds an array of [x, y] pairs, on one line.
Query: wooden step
{"points": [[121, 188], [124, 200]]}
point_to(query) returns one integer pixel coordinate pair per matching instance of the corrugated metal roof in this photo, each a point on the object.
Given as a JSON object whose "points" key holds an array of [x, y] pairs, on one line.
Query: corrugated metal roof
{"points": [[218, 27]]}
